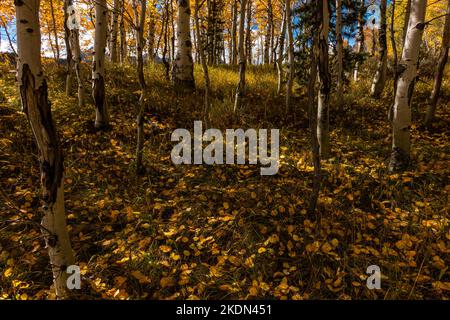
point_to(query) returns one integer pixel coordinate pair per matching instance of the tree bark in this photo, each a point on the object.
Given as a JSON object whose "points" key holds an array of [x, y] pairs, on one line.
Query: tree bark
{"points": [[323, 112], [151, 33], [74, 39], [268, 35], [248, 33], [406, 20], [240, 90], [139, 28], [98, 65], [183, 67], [340, 56], [166, 41], [380, 75], [312, 115], [395, 56], [33, 92], [361, 11], [68, 49], [281, 50], [233, 33], [55, 31], [290, 73], [401, 123], [123, 34], [114, 31], [443, 57]]}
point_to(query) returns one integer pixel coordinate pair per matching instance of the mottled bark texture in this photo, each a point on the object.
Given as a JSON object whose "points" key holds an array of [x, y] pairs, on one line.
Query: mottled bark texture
{"points": [[401, 122], [98, 65], [183, 67], [33, 93], [379, 79]]}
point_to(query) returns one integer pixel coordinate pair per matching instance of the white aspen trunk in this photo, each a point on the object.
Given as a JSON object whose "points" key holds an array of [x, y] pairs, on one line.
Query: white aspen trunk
{"points": [[55, 31], [323, 112], [340, 55], [406, 20], [360, 45], [281, 51], [68, 49], [114, 32], [98, 65], [183, 67], [290, 73], [379, 79], [443, 57], [74, 38], [401, 123], [240, 90], [33, 92]]}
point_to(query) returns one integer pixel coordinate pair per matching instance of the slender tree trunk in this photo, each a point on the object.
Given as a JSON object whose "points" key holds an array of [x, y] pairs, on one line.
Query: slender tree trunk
{"points": [[123, 34], [74, 39], [323, 113], [98, 65], [401, 123], [140, 25], [233, 33], [9, 38], [166, 41], [240, 90], [55, 31], [268, 35], [114, 31], [183, 67], [395, 56], [361, 11], [340, 56], [406, 20], [443, 57], [151, 33], [312, 115], [69, 59], [248, 33], [204, 64], [290, 73], [380, 75], [33, 92], [172, 38], [281, 50]]}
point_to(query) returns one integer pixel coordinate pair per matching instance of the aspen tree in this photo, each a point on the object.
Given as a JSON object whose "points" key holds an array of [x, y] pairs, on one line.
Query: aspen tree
{"points": [[183, 67], [379, 79], [401, 123], [323, 113], [37, 107], [98, 65]]}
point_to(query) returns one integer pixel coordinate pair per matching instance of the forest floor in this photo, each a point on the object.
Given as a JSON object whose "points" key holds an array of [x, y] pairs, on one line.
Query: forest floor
{"points": [[226, 232]]}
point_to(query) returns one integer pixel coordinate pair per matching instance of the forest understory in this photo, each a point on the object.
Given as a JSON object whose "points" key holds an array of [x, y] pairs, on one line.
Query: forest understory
{"points": [[224, 231]]}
